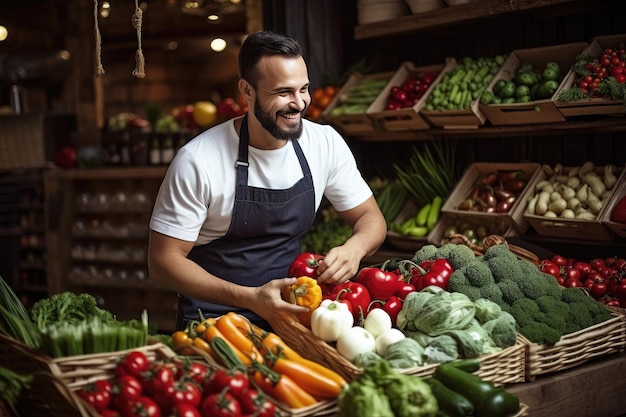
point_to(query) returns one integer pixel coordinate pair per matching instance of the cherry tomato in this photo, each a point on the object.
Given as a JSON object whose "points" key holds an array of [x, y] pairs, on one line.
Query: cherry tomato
{"points": [[573, 283], [236, 381], [134, 363], [141, 407], [97, 394], [185, 410], [572, 273], [584, 268], [221, 405], [550, 268], [257, 403]]}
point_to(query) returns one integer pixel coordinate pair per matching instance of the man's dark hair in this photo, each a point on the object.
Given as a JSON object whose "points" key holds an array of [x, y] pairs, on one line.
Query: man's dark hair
{"points": [[260, 44]]}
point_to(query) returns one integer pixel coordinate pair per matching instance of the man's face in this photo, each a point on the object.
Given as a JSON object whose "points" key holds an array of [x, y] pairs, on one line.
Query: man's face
{"points": [[282, 96]]}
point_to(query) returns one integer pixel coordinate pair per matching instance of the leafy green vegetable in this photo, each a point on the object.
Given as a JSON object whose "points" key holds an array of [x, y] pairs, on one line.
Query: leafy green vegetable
{"points": [[441, 349], [435, 313], [473, 340], [68, 307], [11, 384], [502, 330], [486, 310], [406, 353], [364, 398]]}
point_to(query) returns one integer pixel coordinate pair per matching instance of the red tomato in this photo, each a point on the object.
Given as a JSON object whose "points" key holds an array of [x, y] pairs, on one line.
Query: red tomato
{"points": [[220, 405], [97, 394], [125, 388], [235, 380], [573, 282], [134, 363], [182, 392], [141, 407], [549, 267], [572, 273], [257, 403], [197, 372], [185, 410], [584, 268], [559, 260]]}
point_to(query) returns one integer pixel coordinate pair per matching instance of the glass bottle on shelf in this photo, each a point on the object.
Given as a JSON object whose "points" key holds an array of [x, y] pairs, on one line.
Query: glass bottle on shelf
{"points": [[155, 150], [167, 151]]}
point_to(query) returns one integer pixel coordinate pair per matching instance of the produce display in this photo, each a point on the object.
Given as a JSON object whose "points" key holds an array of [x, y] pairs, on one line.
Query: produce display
{"points": [[573, 193], [602, 278], [321, 97], [618, 214], [422, 222], [356, 98], [463, 84], [232, 342], [602, 76], [410, 91], [495, 192], [529, 83], [68, 324]]}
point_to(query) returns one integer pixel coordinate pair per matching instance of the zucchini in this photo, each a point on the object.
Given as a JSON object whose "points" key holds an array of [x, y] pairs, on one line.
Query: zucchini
{"points": [[450, 402]]}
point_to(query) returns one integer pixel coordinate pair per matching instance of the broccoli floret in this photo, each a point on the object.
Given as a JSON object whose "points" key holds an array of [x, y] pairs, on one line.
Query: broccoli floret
{"points": [[527, 267], [425, 253], [457, 279], [499, 251], [573, 294], [470, 292], [555, 320], [580, 315], [502, 330], [458, 255], [525, 311], [477, 273], [549, 304], [504, 268], [491, 292], [541, 333], [510, 291]]}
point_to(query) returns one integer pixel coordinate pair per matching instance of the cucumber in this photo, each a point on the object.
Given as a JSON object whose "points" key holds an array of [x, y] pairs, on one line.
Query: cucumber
{"points": [[450, 402]]}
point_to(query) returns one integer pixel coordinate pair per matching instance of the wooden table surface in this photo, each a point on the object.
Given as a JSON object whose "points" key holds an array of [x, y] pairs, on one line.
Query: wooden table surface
{"points": [[594, 389]]}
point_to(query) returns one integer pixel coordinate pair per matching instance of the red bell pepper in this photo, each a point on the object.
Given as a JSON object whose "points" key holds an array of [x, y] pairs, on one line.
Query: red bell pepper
{"points": [[381, 284], [432, 272], [391, 305], [305, 265], [355, 295]]}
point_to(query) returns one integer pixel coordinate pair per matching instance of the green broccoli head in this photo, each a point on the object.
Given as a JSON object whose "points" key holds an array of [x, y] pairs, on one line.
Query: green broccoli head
{"points": [[477, 273], [549, 304], [68, 307], [425, 253], [472, 293], [541, 333], [510, 291], [491, 292], [457, 254], [525, 311], [573, 294], [502, 330], [579, 315], [500, 251], [457, 279], [504, 268]]}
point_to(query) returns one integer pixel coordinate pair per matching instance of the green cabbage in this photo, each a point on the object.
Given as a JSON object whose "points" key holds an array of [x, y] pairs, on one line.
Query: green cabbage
{"points": [[486, 310], [441, 349], [435, 312], [473, 340], [406, 353]]}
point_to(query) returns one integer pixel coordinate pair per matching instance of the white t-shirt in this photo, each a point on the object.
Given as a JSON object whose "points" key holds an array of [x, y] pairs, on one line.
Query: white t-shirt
{"points": [[197, 195]]}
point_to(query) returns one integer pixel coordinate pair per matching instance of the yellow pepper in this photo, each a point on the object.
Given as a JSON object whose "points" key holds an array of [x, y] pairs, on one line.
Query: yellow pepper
{"points": [[305, 292]]}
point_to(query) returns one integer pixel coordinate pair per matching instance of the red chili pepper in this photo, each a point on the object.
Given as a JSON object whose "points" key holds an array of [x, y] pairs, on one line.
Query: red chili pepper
{"points": [[305, 265], [432, 272], [355, 295], [381, 284]]}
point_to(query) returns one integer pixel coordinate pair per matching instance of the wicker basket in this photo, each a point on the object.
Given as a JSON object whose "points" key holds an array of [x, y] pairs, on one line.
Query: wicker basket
{"points": [[577, 348], [506, 366], [322, 408]]}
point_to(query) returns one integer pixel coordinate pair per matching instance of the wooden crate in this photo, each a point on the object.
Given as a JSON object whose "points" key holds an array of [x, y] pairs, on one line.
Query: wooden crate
{"points": [[620, 192], [537, 111], [573, 228], [514, 217], [470, 118], [353, 124], [590, 106], [407, 118]]}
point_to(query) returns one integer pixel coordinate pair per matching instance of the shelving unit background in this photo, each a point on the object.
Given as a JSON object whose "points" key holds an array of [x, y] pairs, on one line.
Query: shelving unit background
{"points": [[106, 257]]}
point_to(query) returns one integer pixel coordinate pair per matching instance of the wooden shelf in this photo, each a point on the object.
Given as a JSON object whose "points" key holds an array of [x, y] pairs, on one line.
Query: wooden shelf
{"points": [[582, 126], [456, 15]]}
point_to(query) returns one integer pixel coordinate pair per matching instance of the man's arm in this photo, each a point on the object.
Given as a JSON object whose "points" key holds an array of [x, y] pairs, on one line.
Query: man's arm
{"points": [[168, 264], [368, 233]]}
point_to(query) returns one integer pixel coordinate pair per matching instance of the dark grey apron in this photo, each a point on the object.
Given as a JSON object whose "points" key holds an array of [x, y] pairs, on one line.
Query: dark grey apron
{"points": [[262, 240]]}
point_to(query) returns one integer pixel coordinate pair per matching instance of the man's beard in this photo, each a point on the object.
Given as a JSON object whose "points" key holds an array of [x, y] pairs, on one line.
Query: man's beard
{"points": [[268, 121]]}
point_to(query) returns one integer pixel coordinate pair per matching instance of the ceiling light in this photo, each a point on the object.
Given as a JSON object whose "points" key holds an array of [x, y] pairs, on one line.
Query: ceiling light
{"points": [[218, 44], [213, 17], [4, 33], [105, 10]]}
